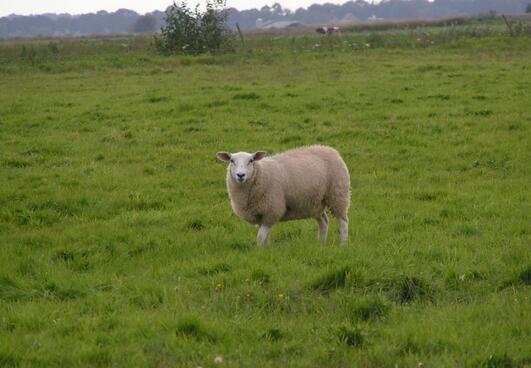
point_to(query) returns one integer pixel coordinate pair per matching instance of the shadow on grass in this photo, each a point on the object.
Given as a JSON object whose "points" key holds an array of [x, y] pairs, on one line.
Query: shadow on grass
{"points": [[352, 336], [13, 291], [192, 327], [369, 309], [331, 280]]}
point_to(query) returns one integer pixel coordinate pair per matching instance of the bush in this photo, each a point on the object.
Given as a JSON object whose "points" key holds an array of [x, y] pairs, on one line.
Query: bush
{"points": [[190, 31]]}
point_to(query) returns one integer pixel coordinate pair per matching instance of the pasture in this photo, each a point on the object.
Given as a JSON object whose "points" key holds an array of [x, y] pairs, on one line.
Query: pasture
{"points": [[119, 246]]}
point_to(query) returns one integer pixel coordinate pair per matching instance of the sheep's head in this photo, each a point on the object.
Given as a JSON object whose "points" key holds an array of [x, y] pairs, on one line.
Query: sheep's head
{"points": [[241, 164]]}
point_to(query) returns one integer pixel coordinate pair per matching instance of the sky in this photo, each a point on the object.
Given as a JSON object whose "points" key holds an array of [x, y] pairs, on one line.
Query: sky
{"points": [[26, 7]]}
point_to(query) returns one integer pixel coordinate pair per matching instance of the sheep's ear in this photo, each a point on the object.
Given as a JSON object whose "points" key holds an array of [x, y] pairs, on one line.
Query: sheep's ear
{"points": [[259, 155], [223, 156]]}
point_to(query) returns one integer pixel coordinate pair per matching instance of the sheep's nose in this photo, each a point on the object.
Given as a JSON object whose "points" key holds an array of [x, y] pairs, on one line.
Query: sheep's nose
{"points": [[240, 175]]}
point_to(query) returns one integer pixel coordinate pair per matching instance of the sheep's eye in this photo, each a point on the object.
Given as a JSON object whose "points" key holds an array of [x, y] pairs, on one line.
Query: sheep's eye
{"points": [[251, 161], [231, 161]]}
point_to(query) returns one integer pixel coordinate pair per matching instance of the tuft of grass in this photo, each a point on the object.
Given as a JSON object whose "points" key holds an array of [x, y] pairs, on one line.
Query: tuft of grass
{"points": [[261, 277], [139, 202], [242, 246], [499, 361], [369, 308], [62, 293], [246, 96], [17, 164], [409, 346], [196, 225], [192, 327], [8, 360], [331, 280], [273, 334], [215, 268], [426, 196], [259, 123], [407, 289], [147, 298], [64, 255], [11, 291], [155, 99], [525, 276], [351, 336]]}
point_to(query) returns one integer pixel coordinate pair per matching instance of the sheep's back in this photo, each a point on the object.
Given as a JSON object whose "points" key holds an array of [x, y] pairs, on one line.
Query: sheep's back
{"points": [[306, 175]]}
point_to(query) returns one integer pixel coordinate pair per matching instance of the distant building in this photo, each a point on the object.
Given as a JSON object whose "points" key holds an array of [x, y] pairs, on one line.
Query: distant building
{"points": [[269, 24]]}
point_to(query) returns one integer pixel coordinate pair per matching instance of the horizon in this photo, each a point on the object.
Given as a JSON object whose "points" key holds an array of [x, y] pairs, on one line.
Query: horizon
{"points": [[31, 7]]}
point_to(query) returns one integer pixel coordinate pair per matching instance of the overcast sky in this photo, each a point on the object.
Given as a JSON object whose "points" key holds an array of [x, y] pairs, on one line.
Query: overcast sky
{"points": [[25, 7]]}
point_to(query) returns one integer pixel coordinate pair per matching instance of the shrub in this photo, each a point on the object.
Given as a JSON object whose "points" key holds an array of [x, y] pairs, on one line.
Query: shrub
{"points": [[190, 31]]}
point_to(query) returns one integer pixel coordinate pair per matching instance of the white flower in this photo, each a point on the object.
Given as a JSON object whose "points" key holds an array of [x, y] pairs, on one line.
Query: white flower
{"points": [[218, 359]]}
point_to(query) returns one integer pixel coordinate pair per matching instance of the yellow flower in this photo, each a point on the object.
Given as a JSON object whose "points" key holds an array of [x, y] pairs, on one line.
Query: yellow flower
{"points": [[219, 287]]}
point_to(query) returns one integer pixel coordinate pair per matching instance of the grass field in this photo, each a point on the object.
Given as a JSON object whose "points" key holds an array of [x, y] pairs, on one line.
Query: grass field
{"points": [[119, 247]]}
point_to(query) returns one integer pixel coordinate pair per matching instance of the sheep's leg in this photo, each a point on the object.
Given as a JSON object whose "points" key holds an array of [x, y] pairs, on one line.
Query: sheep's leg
{"points": [[343, 230], [340, 210], [322, 221], [263, 235]]}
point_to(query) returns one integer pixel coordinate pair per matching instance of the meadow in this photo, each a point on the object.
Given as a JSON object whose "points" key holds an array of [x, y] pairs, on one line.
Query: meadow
{"points": [[119, 246]]}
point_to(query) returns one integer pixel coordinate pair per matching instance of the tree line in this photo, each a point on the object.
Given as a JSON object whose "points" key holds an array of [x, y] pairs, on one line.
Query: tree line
{"points": [[127, 21]]}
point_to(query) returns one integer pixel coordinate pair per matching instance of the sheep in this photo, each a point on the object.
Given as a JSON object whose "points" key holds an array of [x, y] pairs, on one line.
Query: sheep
{"points": [[297, 184]]}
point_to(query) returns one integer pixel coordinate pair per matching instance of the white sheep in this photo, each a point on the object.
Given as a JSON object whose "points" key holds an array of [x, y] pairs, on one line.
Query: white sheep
{"points": [[293, 185]]}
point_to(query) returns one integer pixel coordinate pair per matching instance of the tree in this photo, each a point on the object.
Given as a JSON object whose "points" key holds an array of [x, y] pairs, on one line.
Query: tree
{"points": [[145, 23], [190, 31], [528, 9]]}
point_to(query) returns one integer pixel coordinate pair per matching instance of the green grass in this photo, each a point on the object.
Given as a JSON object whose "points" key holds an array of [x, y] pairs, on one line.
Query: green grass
{"points": [[119, 247]]}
